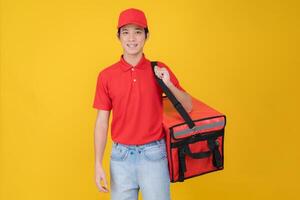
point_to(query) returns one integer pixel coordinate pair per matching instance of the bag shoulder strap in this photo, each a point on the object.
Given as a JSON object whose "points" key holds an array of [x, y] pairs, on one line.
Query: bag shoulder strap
{"points": [[177, 105]]}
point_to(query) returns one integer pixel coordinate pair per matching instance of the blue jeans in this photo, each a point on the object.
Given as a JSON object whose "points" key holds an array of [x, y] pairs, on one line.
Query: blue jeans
{"points": [[139, 167]]}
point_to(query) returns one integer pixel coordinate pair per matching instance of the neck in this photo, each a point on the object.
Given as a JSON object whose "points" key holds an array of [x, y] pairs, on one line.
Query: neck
{"points": [[133, 59]]}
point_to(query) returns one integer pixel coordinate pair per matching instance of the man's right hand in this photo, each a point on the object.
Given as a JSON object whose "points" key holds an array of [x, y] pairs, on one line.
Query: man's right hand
{"points": [[100, 176]]}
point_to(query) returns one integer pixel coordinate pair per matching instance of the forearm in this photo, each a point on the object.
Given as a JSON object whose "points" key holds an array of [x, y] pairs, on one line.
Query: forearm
{"points": [[100, 139], [183, 97]]}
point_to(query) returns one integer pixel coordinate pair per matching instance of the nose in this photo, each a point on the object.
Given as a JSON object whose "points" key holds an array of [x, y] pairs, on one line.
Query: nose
{"points": [[131, 37]]}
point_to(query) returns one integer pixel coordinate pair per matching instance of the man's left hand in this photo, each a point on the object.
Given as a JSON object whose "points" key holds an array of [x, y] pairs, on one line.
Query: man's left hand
{"points": [[162, 73]]}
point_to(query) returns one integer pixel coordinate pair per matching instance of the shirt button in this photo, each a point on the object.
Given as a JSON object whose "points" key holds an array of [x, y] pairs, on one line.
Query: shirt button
{"points": [[134, 80], [132, 69]]}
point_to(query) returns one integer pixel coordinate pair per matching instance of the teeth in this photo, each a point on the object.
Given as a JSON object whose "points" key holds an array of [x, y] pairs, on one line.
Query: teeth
{"points": [[131, 45]]}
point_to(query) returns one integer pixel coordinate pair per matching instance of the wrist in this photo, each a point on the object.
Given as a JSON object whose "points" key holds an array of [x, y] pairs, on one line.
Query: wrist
{"points": [[98, 164], [169, 84]]}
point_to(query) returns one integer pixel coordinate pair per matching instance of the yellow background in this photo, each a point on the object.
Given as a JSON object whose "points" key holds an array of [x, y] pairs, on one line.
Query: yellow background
{"points": [[240, 57]]}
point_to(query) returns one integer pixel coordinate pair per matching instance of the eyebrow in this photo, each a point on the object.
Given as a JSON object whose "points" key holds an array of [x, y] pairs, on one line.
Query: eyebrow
{"points": [[125, 29]]}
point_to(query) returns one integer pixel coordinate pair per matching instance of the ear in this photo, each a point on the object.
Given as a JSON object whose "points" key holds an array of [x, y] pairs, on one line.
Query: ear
{"points": [[148, 35], [118, 36]]}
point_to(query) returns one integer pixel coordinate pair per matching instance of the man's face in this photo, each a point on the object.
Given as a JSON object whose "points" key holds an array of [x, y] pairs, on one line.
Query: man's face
{"points": [[132, 38]]}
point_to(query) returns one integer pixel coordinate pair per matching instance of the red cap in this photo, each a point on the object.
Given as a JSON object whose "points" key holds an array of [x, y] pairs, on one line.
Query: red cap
{"points": [[132, 16]]}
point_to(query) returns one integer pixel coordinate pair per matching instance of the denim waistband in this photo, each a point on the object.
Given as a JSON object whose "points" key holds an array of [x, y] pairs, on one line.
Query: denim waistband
{"points": [[156, 142]]}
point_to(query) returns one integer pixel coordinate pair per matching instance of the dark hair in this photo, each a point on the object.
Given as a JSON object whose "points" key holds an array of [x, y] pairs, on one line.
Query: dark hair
{"points": [[146, 31]]}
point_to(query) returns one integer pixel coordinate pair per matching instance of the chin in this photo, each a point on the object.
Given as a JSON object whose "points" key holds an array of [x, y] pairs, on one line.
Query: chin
{"points": [[133, 52]]}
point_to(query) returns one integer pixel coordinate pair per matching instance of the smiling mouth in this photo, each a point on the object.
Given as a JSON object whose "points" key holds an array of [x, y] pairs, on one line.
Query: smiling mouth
{"points": [[132, 45]]}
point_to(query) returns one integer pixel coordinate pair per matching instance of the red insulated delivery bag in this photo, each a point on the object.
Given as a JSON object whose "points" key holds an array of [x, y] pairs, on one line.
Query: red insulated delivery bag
{"points": [[195, 140]]}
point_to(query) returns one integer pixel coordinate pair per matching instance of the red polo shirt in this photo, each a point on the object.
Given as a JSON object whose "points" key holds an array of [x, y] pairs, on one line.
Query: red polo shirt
{"points": [[135, 100]]}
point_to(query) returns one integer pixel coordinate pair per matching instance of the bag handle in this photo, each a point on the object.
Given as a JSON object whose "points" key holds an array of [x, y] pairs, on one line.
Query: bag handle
{"points": [[213, 145], [177, 105]]}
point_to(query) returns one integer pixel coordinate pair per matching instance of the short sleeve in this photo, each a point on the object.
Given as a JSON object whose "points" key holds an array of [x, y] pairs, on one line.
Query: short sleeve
{"points": [[173, 78], [102, 100]]}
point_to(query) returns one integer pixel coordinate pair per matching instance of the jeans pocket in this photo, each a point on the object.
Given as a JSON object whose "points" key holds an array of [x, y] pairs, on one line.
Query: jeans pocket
{"points": [[155, 153], [118, 153]]}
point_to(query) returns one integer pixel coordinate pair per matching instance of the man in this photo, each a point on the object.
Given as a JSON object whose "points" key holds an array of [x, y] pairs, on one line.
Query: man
{"points": [[128, 87]]}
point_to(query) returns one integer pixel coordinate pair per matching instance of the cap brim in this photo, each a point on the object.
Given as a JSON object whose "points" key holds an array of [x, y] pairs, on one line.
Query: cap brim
{"points": [[135, 23]]}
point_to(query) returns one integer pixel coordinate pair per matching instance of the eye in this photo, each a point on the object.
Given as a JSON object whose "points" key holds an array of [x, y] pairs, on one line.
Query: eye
{"points": [[124, 32], [139, 32]]}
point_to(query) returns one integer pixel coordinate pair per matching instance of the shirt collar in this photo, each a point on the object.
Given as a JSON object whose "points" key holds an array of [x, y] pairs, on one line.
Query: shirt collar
{"points": [[126, 66]]}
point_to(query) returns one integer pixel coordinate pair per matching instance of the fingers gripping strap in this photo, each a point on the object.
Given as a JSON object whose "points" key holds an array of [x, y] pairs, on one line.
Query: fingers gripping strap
{"points": [[177, 105]]}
